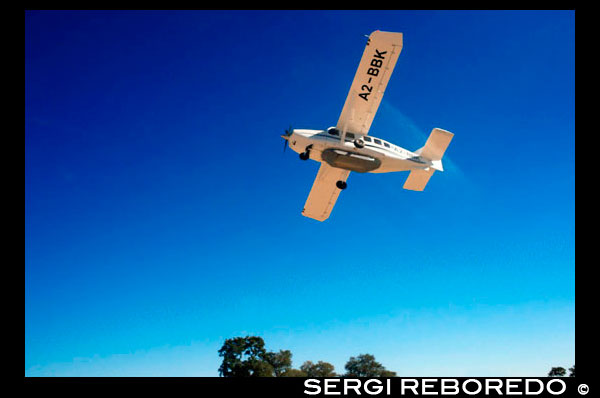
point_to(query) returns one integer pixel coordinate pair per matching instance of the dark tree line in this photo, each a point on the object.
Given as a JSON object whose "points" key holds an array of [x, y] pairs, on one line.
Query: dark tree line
{"points": [[561, 372], [247, 356]]}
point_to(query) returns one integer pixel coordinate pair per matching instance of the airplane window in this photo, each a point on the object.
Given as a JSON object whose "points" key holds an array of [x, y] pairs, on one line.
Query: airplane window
{"points": [[377, 141], [386, 144], [350, 135], [368, 139], [334, 132]]}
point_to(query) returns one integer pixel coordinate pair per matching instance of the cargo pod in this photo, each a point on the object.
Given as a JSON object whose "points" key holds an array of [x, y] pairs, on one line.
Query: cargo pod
{"points": [[350, 160]]}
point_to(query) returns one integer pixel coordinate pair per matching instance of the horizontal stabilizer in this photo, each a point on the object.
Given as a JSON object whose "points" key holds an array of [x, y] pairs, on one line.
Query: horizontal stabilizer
{"points": [[418, 179]]}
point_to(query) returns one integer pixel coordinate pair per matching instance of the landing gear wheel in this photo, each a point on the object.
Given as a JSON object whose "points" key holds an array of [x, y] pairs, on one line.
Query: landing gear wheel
{"points": [[306, 154], [341, 184], [359, 143]]}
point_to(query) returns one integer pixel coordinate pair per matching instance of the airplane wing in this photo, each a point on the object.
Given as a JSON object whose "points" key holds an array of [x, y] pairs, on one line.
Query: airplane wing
{"points": [[371, 79], [324, 192]]}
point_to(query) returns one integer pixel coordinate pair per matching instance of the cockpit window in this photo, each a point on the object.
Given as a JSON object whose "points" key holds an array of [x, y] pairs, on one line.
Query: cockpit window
{"points": [[334, 132], [368, 139], [386, 144], [350, 135], [377, 141]]}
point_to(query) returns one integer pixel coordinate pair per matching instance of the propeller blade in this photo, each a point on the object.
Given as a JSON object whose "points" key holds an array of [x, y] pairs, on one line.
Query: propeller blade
{"points": [[286, 137]]}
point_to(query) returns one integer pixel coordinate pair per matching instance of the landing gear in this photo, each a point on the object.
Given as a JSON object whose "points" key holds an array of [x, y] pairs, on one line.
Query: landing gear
{"points": [[359, 143], [341, 184], [306, 154]]}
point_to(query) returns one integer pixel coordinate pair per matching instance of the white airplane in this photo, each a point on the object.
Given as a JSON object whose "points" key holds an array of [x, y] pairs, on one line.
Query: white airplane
{"points": [[348, 147]]}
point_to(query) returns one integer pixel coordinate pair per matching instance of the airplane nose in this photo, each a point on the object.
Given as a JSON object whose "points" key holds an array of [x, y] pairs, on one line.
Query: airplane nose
{"points": [[286, 137]]}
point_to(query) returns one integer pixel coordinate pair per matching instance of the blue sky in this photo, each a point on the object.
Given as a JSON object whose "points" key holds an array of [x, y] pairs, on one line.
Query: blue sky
{"points": [[162, 217]]}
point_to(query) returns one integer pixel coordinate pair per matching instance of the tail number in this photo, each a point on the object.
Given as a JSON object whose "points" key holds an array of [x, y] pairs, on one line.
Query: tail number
{"points": [[373, 71]]}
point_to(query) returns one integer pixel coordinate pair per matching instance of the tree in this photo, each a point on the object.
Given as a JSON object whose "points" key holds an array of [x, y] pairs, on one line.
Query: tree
{"points": [[294, 373], [280, 361], [365, 366], [572, 371], [557, 372], [244, 356], [247, 357], [319, 369]]}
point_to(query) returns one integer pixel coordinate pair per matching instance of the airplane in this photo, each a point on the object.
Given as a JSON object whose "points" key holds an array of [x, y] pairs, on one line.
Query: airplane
{"points": [[347, 146]]}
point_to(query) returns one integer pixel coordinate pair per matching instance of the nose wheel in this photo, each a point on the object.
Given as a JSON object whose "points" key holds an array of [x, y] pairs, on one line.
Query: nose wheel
{"points": [[306, 154], [341, 184]]}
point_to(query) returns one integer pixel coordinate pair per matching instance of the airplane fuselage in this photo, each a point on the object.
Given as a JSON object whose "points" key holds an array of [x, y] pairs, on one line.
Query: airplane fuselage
{"points": [[375, 155]]}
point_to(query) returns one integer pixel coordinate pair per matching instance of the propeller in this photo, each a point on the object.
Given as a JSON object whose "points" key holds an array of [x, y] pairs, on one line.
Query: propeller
{"points": [[286, 137]]}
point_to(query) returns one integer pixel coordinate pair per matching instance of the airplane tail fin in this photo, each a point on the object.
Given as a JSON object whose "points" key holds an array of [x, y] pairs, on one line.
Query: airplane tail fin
{"points": [[433, 150]]}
